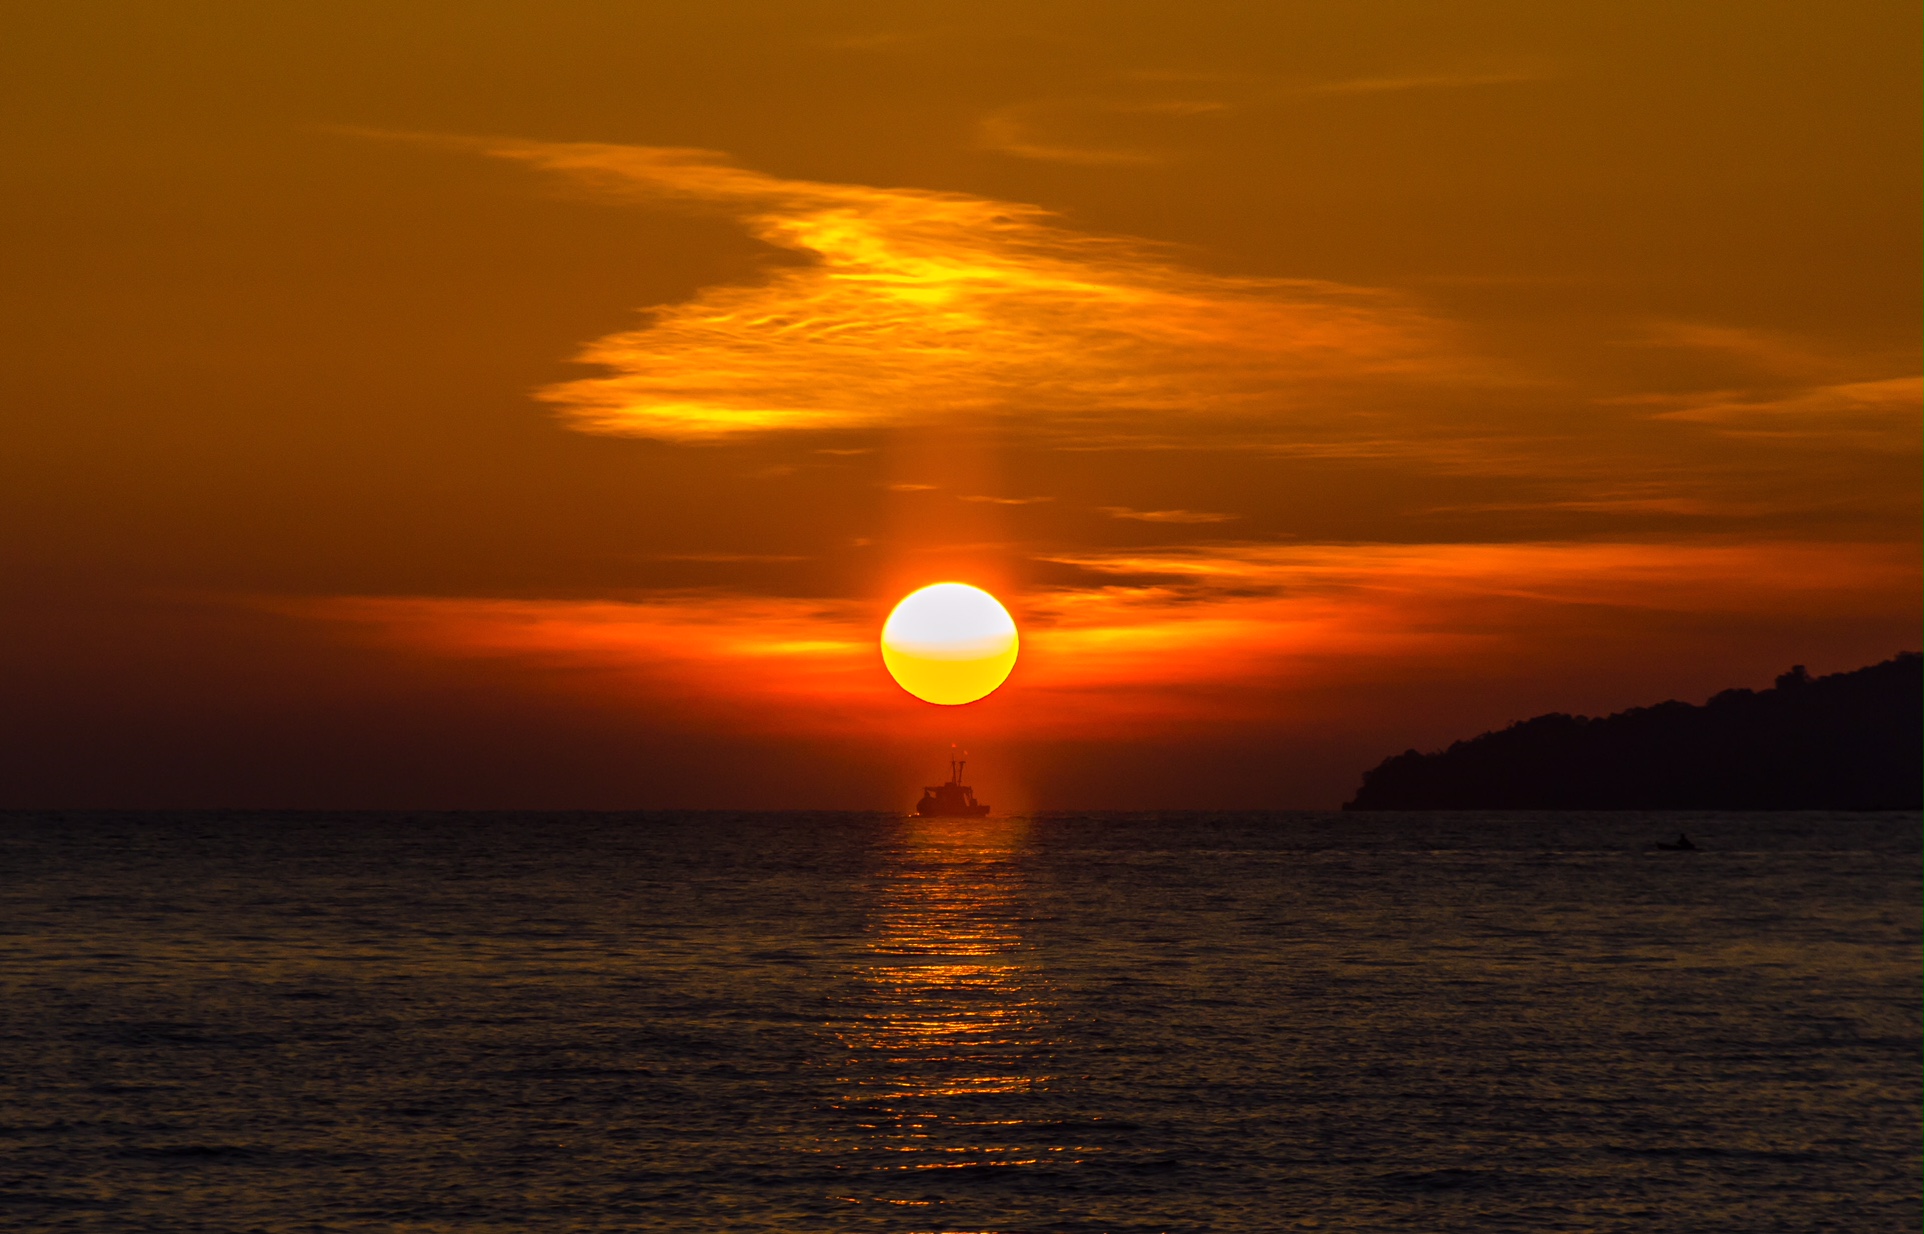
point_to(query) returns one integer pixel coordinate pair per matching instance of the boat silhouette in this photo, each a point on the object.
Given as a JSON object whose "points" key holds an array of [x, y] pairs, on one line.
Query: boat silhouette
{"points": [[952, 800]]}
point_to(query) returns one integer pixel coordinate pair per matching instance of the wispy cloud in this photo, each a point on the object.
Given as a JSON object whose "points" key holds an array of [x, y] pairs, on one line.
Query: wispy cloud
{"points": [[1014, 131], [1706, 575], [1427, 82], [923, 307], [733, 558], [1767, 353], [1036, 130], [1880, 416], [1168, 516], [1007, 501], [1139, 120]]}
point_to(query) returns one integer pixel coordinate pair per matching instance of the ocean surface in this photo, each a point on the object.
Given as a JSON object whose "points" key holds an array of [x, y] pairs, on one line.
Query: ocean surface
{"points": [[828, 1022]]}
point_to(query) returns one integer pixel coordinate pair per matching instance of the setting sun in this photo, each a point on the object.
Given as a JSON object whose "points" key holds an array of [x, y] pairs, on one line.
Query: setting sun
{"points": [[949, 643]]}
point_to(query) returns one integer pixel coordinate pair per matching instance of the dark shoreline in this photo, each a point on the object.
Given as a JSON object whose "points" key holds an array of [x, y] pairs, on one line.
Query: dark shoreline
{"points": [[1846, 741]]}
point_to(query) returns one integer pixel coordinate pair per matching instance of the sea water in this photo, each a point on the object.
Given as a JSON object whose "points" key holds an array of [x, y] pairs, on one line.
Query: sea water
{"points": [[824, 1022]]}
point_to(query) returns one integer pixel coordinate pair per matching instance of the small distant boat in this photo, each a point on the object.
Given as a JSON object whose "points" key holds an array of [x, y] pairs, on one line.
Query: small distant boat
{"points": [[952, 800], [1683, 845]]}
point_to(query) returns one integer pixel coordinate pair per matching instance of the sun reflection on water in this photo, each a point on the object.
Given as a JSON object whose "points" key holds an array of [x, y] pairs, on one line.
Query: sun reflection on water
{"points": [[951, 1031]]}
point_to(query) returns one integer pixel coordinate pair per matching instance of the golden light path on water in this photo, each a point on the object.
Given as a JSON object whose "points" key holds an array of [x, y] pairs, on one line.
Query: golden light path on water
{"points": [[952, 1018]]}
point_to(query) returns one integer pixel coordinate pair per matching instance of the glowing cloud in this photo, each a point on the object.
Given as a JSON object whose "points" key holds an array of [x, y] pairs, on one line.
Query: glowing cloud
{"points": [[1199, 636], [921, 307]]}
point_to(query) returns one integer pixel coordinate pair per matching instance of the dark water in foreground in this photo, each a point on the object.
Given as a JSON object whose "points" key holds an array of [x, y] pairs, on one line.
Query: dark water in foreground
{"points": [[851, 1022]]}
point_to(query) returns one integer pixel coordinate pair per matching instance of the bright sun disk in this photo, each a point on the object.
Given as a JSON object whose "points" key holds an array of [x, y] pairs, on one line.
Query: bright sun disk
{"points": [[949, 643]]}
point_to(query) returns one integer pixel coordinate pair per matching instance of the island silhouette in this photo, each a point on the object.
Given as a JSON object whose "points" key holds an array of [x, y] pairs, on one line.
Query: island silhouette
{"points": [[1847, 741]]}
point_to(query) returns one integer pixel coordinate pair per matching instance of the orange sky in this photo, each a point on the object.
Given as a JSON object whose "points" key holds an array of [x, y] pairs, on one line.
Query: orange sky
{"points": [[504, 404]]}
